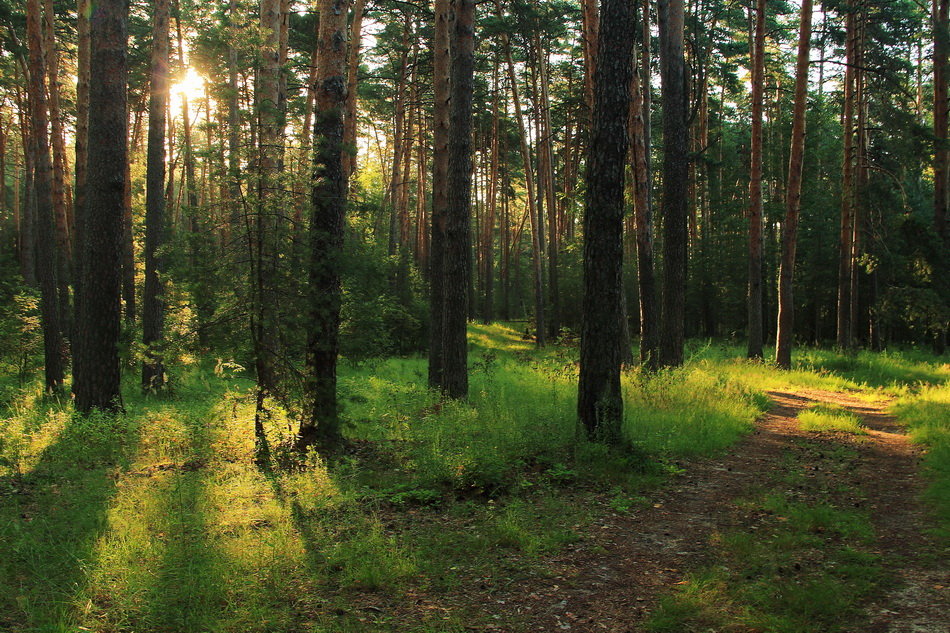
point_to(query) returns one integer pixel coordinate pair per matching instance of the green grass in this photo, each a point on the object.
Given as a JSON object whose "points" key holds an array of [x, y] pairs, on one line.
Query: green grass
{"points": [[157, 519], [830, 418], [927, 414]]}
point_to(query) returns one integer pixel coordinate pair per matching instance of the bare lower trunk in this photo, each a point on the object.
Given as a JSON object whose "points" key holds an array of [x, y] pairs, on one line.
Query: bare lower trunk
{"points": [[754, 297], [786, 300], [675, 181]]}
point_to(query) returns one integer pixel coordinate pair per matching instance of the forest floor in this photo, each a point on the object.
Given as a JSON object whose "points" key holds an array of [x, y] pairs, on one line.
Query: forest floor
{"points": [[620, 575], [747, 500]]}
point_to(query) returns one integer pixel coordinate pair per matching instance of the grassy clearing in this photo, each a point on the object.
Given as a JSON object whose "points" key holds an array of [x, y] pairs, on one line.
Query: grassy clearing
{"points": [[927, 413], [830, 418], [162, 523], [157, 520]]}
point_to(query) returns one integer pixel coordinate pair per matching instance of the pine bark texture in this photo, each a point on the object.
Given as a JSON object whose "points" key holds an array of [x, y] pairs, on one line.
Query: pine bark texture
{"points": [[96, 358], [458, 257], [754, 296], [353, 67], [153, 298], [941, 36], [320, 425], [675, 181], [441, 61], [46, 252], [600, 402], [82, 138], [793, 195], [643, 200]]}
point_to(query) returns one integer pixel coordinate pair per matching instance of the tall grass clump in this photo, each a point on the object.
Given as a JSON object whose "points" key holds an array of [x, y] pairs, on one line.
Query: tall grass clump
{"points": [[927, 414], [517, 413], [824, 417], [688, 411]]}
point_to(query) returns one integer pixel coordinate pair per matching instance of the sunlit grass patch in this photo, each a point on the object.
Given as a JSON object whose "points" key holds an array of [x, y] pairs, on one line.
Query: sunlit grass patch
{"points": [[891, 370], [830, 418], [686, 412], [927, 414]]}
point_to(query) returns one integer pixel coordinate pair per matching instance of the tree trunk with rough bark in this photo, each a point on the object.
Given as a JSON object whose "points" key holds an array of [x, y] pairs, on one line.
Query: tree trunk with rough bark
{"points": [[458, 265], [320, 424], [754, 296], [599, 401], [96, 383], [440, 167], [793, 194], [153, 298], [46, 258], [941, 37], [675, 181], [643, 203]]}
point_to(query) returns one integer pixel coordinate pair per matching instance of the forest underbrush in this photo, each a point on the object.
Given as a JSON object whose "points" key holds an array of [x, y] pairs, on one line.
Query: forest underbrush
{"points": [[159, 520]]}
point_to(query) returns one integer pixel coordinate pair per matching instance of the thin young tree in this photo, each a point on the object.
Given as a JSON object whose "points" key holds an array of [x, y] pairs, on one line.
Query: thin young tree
{"points": [[599, 399], [675, 180], [153, 300], [46, 258], [793, 197], [96, 356], [320, 424], [754, 295]]}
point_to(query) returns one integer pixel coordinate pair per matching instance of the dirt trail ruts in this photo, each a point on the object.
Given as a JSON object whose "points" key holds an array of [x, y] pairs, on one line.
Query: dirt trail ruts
{"points": [[614, 577]]}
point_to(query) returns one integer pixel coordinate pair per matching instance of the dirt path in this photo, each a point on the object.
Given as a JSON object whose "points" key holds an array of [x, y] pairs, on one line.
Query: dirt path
{"points": [[612, 580]]}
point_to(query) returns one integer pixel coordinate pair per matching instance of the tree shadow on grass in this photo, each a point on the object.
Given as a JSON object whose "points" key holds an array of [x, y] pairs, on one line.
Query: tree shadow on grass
{"points": [[52, 516], [188, 593]]}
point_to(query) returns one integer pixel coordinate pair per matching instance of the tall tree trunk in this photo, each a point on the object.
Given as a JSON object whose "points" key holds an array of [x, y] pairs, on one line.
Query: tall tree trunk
{"points": [[83, 9], [458, 264], [533, 214], [590, 19], [600, 402], [793, 194], [941, 37], [352, 71], [153, 298], [846, 236], [754, 297], [675, 181], [320, 424], [488, 231], [234, 122], [26, 233], [440, 168], [128, 242], [63, 253], [643, 203], [96, 358], [46, 260]]}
